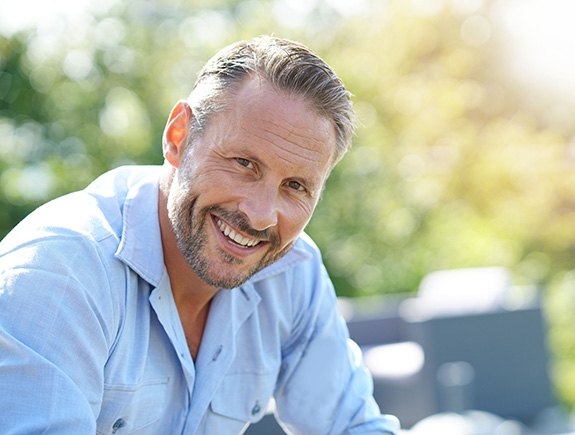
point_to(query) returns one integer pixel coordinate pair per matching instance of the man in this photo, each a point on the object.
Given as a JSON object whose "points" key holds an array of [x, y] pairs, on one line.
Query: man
{"points": [[179, 299]]}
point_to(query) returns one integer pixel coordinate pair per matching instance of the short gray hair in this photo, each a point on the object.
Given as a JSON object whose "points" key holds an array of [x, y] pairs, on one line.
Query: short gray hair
{"points": [[287, 65]]}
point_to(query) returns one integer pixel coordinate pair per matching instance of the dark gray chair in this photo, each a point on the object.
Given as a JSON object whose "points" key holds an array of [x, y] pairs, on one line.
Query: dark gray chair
{"points": [[506, 350]]}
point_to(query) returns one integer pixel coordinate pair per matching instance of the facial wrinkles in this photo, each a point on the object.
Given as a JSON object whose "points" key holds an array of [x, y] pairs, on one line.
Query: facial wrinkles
{"points": [[297, 140], [291, 154], [187, 227], [291, 147], [190, 229], [238, 221], [297, 161], [290, 142], [297, 132]]}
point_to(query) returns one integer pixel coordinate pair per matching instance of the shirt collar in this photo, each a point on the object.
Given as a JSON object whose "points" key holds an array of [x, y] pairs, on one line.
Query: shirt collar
{"points": [[295, 255], [141, 244]]}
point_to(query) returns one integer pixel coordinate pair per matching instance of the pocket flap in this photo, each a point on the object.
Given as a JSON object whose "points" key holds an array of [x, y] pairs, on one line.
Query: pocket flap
{"points": [[244, 396], [131, 407]]}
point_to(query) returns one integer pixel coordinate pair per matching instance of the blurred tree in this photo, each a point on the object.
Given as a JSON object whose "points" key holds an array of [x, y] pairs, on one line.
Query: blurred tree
{"points": [[447, 170]]}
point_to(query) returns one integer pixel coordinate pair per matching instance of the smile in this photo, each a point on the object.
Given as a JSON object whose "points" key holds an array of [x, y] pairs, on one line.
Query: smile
{"points": [[238, 239]]}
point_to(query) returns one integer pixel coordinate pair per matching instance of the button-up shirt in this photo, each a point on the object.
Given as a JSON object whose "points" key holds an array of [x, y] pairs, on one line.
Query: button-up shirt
{"points": [[91, 341]]}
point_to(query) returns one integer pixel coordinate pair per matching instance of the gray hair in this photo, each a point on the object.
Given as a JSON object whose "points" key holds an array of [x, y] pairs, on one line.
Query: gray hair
{"points": [[287, 65]]}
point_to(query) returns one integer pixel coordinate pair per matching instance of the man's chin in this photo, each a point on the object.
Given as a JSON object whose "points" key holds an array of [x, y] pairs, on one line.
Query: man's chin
{"points": [[228, 271], [228, 278], [226, 282]]}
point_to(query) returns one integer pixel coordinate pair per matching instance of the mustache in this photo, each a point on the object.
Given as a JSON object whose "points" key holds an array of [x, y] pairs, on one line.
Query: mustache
{"points": [[239, 220]]}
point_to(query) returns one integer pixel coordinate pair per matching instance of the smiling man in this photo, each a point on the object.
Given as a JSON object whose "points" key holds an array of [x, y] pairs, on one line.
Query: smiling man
{"points": [[180, 299]]}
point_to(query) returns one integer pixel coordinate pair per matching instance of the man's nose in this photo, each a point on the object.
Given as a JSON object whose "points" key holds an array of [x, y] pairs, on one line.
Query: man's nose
{"points": [[261, 207]]}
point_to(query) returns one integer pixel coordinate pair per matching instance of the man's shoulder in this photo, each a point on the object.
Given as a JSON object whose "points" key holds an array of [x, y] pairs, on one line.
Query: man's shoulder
{"points": [[305, 243], [118, 181], [92, 214], [303, 257], [309, 254], [73, 238]]}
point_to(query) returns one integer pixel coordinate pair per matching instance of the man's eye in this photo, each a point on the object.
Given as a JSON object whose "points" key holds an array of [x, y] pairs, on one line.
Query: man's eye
{"points": [[296, 186], [245, 162]]}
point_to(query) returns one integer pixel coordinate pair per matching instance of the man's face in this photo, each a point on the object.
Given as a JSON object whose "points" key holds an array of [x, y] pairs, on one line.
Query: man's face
{"points": [[248, 186]]}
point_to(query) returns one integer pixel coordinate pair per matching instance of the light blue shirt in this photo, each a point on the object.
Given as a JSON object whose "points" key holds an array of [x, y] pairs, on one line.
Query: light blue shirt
{"points": [[91, 341]]}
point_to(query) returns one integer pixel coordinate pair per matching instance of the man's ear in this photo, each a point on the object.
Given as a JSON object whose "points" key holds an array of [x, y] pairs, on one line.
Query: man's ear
{"points": [[177, 132]]}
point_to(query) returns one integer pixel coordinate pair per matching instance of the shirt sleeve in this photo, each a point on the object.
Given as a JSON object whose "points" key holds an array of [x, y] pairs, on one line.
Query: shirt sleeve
{"points": [[324, 387], [53, 339]]}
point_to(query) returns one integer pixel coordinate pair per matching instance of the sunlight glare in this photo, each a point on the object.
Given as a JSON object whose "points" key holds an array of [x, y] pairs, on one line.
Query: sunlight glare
{"points": [[20, 15], [540, 38]]}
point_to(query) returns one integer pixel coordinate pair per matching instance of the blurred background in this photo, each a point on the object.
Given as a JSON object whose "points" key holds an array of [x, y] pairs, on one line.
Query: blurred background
{"points": [[464, 157]]}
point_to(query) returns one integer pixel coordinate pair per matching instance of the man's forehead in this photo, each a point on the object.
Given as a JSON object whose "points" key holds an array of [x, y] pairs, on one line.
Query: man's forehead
{"points": [[284, 113]]}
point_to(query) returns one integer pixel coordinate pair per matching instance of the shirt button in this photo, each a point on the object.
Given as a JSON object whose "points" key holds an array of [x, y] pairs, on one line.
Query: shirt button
{"points": [[256, 408], [118, 424], [217, 353]]}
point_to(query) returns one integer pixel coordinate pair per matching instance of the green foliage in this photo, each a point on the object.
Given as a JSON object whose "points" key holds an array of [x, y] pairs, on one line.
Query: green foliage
{"points": [[449, 167], [446, 172], [560, 302]]}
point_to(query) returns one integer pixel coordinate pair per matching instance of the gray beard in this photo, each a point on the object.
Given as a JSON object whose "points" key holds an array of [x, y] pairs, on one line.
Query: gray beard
{"points": [[190, 234]]}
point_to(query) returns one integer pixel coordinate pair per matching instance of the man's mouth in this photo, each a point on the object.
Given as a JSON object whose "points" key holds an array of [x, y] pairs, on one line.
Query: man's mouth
{"points": [[238, 239]]}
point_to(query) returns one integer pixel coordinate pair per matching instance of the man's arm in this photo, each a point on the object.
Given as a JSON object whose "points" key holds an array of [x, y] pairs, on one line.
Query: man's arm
{"points": [[53, 345], [323, 387]]}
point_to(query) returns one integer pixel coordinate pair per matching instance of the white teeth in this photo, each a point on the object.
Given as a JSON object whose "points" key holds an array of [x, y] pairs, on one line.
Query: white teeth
{"points": [[239, 239]]}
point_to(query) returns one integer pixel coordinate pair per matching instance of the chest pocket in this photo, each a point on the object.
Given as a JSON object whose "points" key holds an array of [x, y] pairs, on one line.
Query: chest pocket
{"points": [[242, 399], [129, 409]]}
